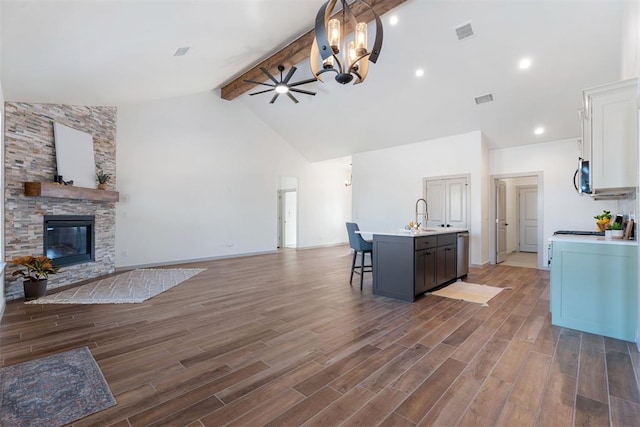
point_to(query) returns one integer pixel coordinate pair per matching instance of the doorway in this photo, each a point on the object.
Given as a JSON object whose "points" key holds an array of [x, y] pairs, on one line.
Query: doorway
{"points": [[516, 229], [287, 212]]}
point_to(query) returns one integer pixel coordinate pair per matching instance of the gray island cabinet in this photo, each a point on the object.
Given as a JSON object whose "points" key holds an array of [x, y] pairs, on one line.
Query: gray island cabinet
{"points": [[407, 265]]}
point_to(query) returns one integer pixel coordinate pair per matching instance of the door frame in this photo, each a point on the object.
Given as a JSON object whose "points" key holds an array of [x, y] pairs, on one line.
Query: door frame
{"points": [[492, 213], [501, 183], [467, 178], [518, 213]]}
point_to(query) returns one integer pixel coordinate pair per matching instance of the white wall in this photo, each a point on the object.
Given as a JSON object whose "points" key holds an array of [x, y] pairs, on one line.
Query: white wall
{"points": [[631, 41], [563, 207], [387, 183], [198, 179]]}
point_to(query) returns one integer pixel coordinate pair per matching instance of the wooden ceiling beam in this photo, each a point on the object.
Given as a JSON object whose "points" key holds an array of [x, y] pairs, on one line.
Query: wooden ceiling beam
{"points": [[297, 51]]}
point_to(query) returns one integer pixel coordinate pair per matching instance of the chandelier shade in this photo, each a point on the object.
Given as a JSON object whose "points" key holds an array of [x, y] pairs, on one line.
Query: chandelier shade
{"points": [[340, 43]]}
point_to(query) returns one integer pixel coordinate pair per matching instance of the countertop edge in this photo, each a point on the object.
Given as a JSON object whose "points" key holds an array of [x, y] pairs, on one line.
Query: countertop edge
{"points": [[368, 235], [599, 240]]}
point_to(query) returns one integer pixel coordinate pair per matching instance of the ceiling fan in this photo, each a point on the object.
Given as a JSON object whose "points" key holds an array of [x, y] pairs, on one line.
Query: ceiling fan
{"points": [[283, 86]]}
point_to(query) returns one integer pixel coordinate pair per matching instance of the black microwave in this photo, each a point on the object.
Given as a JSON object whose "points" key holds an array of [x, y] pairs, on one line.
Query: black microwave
{"points": [[581, 177]]}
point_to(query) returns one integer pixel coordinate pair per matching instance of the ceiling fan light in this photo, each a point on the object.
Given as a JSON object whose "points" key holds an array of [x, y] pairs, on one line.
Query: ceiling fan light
{"points": [[282, 88]]}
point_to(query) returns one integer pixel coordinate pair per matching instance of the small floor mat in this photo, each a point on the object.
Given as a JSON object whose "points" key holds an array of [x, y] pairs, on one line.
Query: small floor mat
{"points": [[469, 292], [53, 391]]}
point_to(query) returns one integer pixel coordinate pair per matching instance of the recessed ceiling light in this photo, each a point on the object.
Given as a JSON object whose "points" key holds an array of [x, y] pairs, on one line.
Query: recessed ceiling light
{"points": [[182, 51], [539, 130], [419, 72], [524, 63], [393, 20]]}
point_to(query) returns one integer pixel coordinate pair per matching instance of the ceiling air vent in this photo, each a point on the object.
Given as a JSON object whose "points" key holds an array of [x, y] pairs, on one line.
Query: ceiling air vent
{"points": [[464, 31], [182, 51], [484, 98]]}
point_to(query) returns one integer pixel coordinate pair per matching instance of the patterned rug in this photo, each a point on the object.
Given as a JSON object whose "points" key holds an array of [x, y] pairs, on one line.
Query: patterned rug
{"points": [[131, 287], [53, 391], [469, 292]]}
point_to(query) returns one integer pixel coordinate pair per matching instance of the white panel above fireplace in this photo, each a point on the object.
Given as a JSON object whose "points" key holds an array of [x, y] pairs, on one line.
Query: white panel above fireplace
{"points": [[74, 156]]}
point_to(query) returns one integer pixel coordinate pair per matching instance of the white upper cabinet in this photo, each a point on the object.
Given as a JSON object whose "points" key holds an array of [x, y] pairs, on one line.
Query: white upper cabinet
{"points": [[611, 134]]}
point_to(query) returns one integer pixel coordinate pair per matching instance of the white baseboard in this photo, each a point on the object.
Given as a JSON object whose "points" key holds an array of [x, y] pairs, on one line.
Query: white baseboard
{"points": [[189, 261]]}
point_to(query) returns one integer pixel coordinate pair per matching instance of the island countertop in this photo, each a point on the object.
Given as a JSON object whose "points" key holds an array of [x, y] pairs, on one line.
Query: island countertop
{"points": [[368, 235], [596, 240]]}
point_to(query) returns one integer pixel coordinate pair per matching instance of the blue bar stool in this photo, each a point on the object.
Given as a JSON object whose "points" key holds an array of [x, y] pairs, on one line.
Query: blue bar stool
{"points": [[358, 244]]}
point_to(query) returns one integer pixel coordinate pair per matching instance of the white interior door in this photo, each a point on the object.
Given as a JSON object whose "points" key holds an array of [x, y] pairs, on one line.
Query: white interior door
{"points": [[528, 219], [501, 220], [290, 219]]}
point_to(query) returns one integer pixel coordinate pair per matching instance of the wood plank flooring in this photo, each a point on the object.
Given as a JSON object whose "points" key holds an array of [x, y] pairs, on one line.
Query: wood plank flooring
{"points": [[283, 340]]}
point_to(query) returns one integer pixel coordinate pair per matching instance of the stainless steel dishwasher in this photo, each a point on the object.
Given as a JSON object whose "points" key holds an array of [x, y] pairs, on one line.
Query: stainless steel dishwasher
{"points": [[463, 255]]}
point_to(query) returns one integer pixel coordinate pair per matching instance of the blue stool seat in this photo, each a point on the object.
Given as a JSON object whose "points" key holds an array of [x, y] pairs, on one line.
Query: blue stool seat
{"points": [[359, 245]]}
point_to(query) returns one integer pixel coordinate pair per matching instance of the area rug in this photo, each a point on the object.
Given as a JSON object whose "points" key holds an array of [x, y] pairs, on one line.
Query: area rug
{"points": [[469, 292], [53, 391], [133, 286]]}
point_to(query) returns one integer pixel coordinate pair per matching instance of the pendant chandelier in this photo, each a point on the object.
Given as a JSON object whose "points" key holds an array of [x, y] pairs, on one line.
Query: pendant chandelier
{"points": [[340, 44]]}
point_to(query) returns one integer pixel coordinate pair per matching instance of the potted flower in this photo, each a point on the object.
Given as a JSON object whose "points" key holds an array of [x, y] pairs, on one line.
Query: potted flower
{"points": [[103, 178], [35, 272], [603, 220]]}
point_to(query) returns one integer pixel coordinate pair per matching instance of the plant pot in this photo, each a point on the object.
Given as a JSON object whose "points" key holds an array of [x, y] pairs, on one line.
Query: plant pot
{"points": [[617, 234], [602, 225], [102, 186], [34, 289]]}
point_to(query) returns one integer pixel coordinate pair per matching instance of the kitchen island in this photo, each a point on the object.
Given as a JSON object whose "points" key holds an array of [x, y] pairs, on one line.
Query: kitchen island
{"points": [[407, 264], [594, 285]]}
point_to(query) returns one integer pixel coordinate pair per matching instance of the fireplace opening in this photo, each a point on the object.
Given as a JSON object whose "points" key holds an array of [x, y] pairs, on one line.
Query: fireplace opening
{"points": [[69, 239]]}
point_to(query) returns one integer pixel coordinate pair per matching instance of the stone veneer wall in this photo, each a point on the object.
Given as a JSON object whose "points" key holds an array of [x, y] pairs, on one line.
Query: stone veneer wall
{"points": [[30, 156]]}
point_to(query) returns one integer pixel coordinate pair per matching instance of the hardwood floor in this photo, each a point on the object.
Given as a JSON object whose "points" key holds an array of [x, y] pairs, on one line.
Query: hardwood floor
{"points": [[283, 340]]}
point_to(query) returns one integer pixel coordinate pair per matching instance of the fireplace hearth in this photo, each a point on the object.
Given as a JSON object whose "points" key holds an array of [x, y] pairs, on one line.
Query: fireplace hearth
{"points": [[69, 239]]}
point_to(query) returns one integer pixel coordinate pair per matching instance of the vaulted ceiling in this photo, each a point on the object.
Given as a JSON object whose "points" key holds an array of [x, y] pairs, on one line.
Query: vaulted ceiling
{"points": [[120, 52]]}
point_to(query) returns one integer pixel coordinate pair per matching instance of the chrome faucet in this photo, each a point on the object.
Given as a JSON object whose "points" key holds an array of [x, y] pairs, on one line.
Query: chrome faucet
{"points": [[425, 215]]}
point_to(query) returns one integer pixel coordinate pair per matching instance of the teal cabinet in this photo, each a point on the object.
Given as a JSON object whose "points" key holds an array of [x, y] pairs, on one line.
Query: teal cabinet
{"points": [[594, 288]]}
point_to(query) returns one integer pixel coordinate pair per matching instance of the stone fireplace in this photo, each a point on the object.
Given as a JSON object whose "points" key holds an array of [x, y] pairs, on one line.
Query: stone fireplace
{"points": [[30, 157]]}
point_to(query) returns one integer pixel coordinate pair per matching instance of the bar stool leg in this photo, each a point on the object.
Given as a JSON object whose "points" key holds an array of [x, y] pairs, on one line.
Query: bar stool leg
{"points": [[361, 270], [353, 266]]}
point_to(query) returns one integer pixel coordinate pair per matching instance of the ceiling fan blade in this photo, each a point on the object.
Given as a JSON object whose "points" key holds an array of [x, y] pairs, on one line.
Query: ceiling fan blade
{"points": [[259, 83], [306, 92], [274, 98], [266, 72], [303, 82], [293, 98], [262, 91], [289, 74]]}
